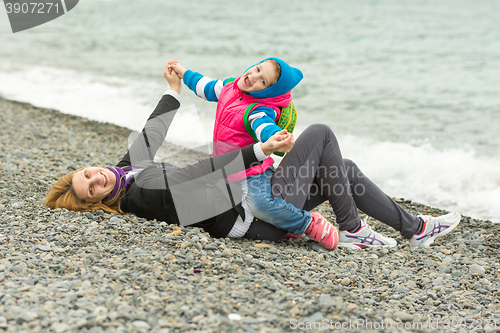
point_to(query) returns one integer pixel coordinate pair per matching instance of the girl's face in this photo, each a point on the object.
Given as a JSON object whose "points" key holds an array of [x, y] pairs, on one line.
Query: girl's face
{"points": [[258, 77], [93, 184]]}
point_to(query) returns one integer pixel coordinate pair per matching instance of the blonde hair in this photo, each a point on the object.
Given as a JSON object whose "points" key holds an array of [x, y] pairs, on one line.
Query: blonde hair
{"points": [[62, 195]]}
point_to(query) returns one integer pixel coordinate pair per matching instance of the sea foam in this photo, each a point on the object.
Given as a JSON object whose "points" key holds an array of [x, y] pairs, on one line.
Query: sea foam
{"points": [[452, 179]]}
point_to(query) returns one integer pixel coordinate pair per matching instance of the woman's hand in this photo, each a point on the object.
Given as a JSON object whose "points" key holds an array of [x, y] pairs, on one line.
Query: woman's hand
{"points": [[172, 78], [176, 67], [281, 141]]}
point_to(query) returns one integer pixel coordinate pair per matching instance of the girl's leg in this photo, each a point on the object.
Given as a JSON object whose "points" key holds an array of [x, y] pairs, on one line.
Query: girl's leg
{"points": [[274, 210]]}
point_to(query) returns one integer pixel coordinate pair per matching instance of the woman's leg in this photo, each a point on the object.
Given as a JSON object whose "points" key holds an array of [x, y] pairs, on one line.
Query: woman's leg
{"points": [[318, 166], [264, 231], [314, 171], [371, 200]]}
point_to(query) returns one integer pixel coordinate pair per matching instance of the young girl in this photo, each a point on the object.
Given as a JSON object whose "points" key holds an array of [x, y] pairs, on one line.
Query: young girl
{"points": [[249, 106], [248, 110]]}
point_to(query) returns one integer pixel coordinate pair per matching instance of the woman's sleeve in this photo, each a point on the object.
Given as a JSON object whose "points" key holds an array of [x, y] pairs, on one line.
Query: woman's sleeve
{"points": [[219, 167], [154, 132]]}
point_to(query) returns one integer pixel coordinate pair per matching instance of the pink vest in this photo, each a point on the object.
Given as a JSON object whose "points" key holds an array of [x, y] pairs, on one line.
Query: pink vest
{"points": [[229, 128]]}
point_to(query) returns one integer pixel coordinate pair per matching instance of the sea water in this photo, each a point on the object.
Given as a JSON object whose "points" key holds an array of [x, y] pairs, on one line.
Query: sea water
{"points": [[410, 88]]}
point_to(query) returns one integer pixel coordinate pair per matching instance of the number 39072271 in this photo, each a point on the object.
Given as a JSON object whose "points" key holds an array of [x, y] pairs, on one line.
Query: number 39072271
{"points": [[32, 8]]}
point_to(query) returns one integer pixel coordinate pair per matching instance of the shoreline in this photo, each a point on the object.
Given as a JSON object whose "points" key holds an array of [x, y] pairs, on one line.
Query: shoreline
{"points": [[122, 273]]}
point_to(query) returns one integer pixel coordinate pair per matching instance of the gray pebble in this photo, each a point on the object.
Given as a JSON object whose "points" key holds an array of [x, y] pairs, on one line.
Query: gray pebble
{"points": [[43, 247], [116, 220], [403, 316], [185, 245], [315, 317], [318, 247], [16, 205], [346, 281], [141, 324], [475, 268], [21, 154]]}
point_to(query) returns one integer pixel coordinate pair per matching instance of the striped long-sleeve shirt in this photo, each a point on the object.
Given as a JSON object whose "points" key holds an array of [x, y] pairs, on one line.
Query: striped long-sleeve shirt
{"points": [[261, 119]]}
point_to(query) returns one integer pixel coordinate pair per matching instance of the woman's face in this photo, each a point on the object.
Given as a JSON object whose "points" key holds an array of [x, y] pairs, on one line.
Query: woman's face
{"points": [[93, 184]]}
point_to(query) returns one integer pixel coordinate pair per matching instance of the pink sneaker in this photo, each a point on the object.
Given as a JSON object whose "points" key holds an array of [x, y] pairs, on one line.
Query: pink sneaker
{"points": [[323, 231]]}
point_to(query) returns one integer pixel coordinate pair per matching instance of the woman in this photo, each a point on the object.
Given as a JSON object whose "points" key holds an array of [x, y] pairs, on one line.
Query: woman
{"points": [[198, 195], [160, 190]]}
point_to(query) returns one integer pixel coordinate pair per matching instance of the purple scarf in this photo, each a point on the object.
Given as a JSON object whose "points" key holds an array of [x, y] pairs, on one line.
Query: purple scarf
{"points": [[121, 181]]}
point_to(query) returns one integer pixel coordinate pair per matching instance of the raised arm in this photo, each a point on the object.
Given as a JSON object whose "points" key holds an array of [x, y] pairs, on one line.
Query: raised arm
{"points": [[203, 86], [154, 132]]}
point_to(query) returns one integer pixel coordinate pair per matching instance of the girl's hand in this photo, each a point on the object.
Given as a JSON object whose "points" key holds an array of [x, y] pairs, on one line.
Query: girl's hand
{"points": [[177, 68], [281, 141]]}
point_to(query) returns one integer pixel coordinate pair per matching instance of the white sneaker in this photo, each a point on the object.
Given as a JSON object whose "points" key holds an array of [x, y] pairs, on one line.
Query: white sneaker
{"points": [[434, 227], [365, 237]]}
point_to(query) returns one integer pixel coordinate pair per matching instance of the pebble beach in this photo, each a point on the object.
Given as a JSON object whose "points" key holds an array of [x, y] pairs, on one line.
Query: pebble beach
{"points": [[63, 271]]}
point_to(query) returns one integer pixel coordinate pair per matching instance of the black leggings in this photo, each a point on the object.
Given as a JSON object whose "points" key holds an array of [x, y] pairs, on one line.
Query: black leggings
{"points": [[314, 172]]}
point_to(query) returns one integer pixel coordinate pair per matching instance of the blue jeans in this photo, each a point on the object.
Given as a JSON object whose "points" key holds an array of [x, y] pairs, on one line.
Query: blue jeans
{"points": [[273, 210]]}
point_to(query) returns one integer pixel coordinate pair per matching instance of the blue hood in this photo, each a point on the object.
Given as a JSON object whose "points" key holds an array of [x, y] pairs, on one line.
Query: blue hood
{"points": [[289, 78]]}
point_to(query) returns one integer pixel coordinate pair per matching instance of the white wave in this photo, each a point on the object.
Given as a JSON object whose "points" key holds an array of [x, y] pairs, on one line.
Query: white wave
{"points": [[123, 102], [106, 99], [454, 179]]}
